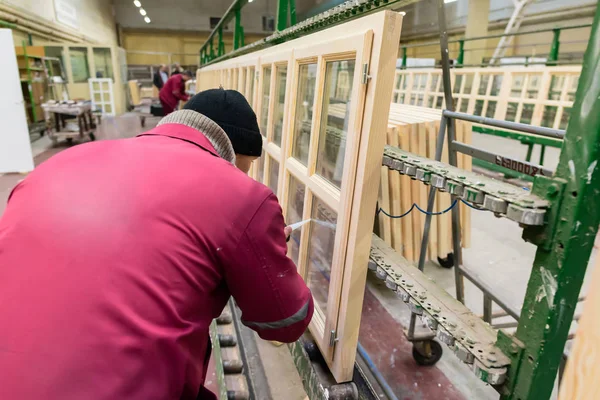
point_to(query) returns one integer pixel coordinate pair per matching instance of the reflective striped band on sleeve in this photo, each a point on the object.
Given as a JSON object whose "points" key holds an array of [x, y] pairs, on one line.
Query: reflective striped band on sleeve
{"points": [[282, 323]]}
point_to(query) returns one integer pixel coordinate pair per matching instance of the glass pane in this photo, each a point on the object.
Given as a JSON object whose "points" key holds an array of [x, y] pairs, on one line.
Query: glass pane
{"points": [[434, 82], [413, 99], [430, 102], [420, 100], [423, 82], [464, 104], [79, 64], [533, 87], [261, 167], [564, 120], [320, 252], [294, 214], [511, 111], [483, 84], [281, 76], [334, 122], [307, 79], [478, 107], [103, 63], [439, 102], [398, 81], [56, 68], [517, 85], [549, 116], [266, 85], [273, 174], [250, 94], [457, 83], [572, 88], [468, 83], [404, 82], [527, 113], [496, 84], [491, 109], [556, 85]]}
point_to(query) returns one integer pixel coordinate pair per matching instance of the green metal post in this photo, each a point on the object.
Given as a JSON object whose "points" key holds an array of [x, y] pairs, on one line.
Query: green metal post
{"points": [[282, 14], [542, 154], [292, 5], [404, 57], [242, 39], [29, 81], [211, 49], [529, 152], [564, 243], [461, 53], [237, 29], [554, 48], [221, 45]]}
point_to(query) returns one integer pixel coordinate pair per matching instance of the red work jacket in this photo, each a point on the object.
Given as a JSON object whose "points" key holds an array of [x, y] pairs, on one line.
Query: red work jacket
{"points": [[172, 92], [115, 256]]}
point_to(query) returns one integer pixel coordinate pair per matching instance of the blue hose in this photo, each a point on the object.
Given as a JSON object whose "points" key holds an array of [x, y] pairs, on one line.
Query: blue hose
{"points": [[380, 379]]}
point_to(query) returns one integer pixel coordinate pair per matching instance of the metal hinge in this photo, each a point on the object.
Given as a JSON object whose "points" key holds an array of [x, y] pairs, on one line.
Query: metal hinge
{"points": [[333, 339], [365, 74]]}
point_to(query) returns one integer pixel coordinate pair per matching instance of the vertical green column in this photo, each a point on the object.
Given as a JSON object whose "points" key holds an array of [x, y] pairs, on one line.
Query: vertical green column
{"points": [[460, 60], [282, 14], [221, 45], [564, 244], [29, 81], [554, 48], [404, 57], [237, 30], [292, 5]]}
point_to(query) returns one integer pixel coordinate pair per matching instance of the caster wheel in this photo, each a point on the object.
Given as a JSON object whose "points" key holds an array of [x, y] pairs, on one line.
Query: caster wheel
{"points": [[69, 141], [435, 354], [92, 137], [447, 262], [312, 350], [344, 391], [143, 121]]}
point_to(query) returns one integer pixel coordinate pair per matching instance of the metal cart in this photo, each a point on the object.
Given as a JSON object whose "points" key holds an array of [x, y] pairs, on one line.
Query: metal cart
{"points": [[69, 120]]}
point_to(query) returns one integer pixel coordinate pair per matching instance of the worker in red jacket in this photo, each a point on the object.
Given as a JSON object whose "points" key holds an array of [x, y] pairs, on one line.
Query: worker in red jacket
{"points": [[173, 91], [115, 256]]}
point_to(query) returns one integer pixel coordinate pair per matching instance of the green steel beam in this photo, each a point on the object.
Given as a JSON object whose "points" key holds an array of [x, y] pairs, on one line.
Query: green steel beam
{"points": [[404, 57], [554, 48], [460, 60], [564, 243], [524, 138], [238, 33], [225, 19], [286, 8]]}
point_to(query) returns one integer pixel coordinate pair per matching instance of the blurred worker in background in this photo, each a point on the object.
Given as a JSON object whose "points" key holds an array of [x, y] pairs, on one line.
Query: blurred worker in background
{"points": [[111, 296], [176, 69], [160, 77], [173, 91]]}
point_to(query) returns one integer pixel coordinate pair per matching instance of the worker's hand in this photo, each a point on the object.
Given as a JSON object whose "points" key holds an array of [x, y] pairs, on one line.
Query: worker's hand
{"points": [[288, 231]]}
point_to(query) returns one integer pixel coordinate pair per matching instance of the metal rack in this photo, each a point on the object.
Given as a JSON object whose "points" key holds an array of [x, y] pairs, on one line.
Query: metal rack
{"points": [[560, 215]]}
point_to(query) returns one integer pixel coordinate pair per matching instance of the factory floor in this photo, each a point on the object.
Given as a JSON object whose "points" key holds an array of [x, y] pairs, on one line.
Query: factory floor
{"points": [[498, 255]]}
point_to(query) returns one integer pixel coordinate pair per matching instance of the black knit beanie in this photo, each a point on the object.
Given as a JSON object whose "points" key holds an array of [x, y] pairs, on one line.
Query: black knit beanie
{"points": [[230, 110]]}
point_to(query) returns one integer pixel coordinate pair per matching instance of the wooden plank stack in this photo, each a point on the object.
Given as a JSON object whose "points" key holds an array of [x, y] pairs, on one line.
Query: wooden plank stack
{"points": [[415, 129]]}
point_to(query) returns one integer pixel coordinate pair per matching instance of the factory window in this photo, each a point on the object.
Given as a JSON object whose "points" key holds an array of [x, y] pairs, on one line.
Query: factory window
{"points": [[214, 21], [55, 61], [294, 214], [266, 86], [103, 63], [335, 116], [320, 252], [307, 79], [268, 23], [279, 93], [80, 67], [273, 174]]}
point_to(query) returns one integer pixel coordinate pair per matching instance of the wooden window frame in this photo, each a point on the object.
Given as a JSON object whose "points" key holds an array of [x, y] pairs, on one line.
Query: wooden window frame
{"points": [[355, 201]]}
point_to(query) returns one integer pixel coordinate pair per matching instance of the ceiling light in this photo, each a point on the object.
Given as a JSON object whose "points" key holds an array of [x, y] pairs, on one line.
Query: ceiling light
{"points": [[137, 3], [142, 11], [449, 1], [250, 1], [147, 20]]}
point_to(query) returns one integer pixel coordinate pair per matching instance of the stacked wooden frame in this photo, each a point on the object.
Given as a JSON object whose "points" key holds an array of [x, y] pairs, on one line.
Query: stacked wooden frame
{"points": [[415, 129], [536, 95], [322, 103]]}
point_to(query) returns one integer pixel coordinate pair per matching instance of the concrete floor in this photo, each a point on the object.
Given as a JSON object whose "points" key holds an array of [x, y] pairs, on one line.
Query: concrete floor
{"points": [[498, 255]]}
